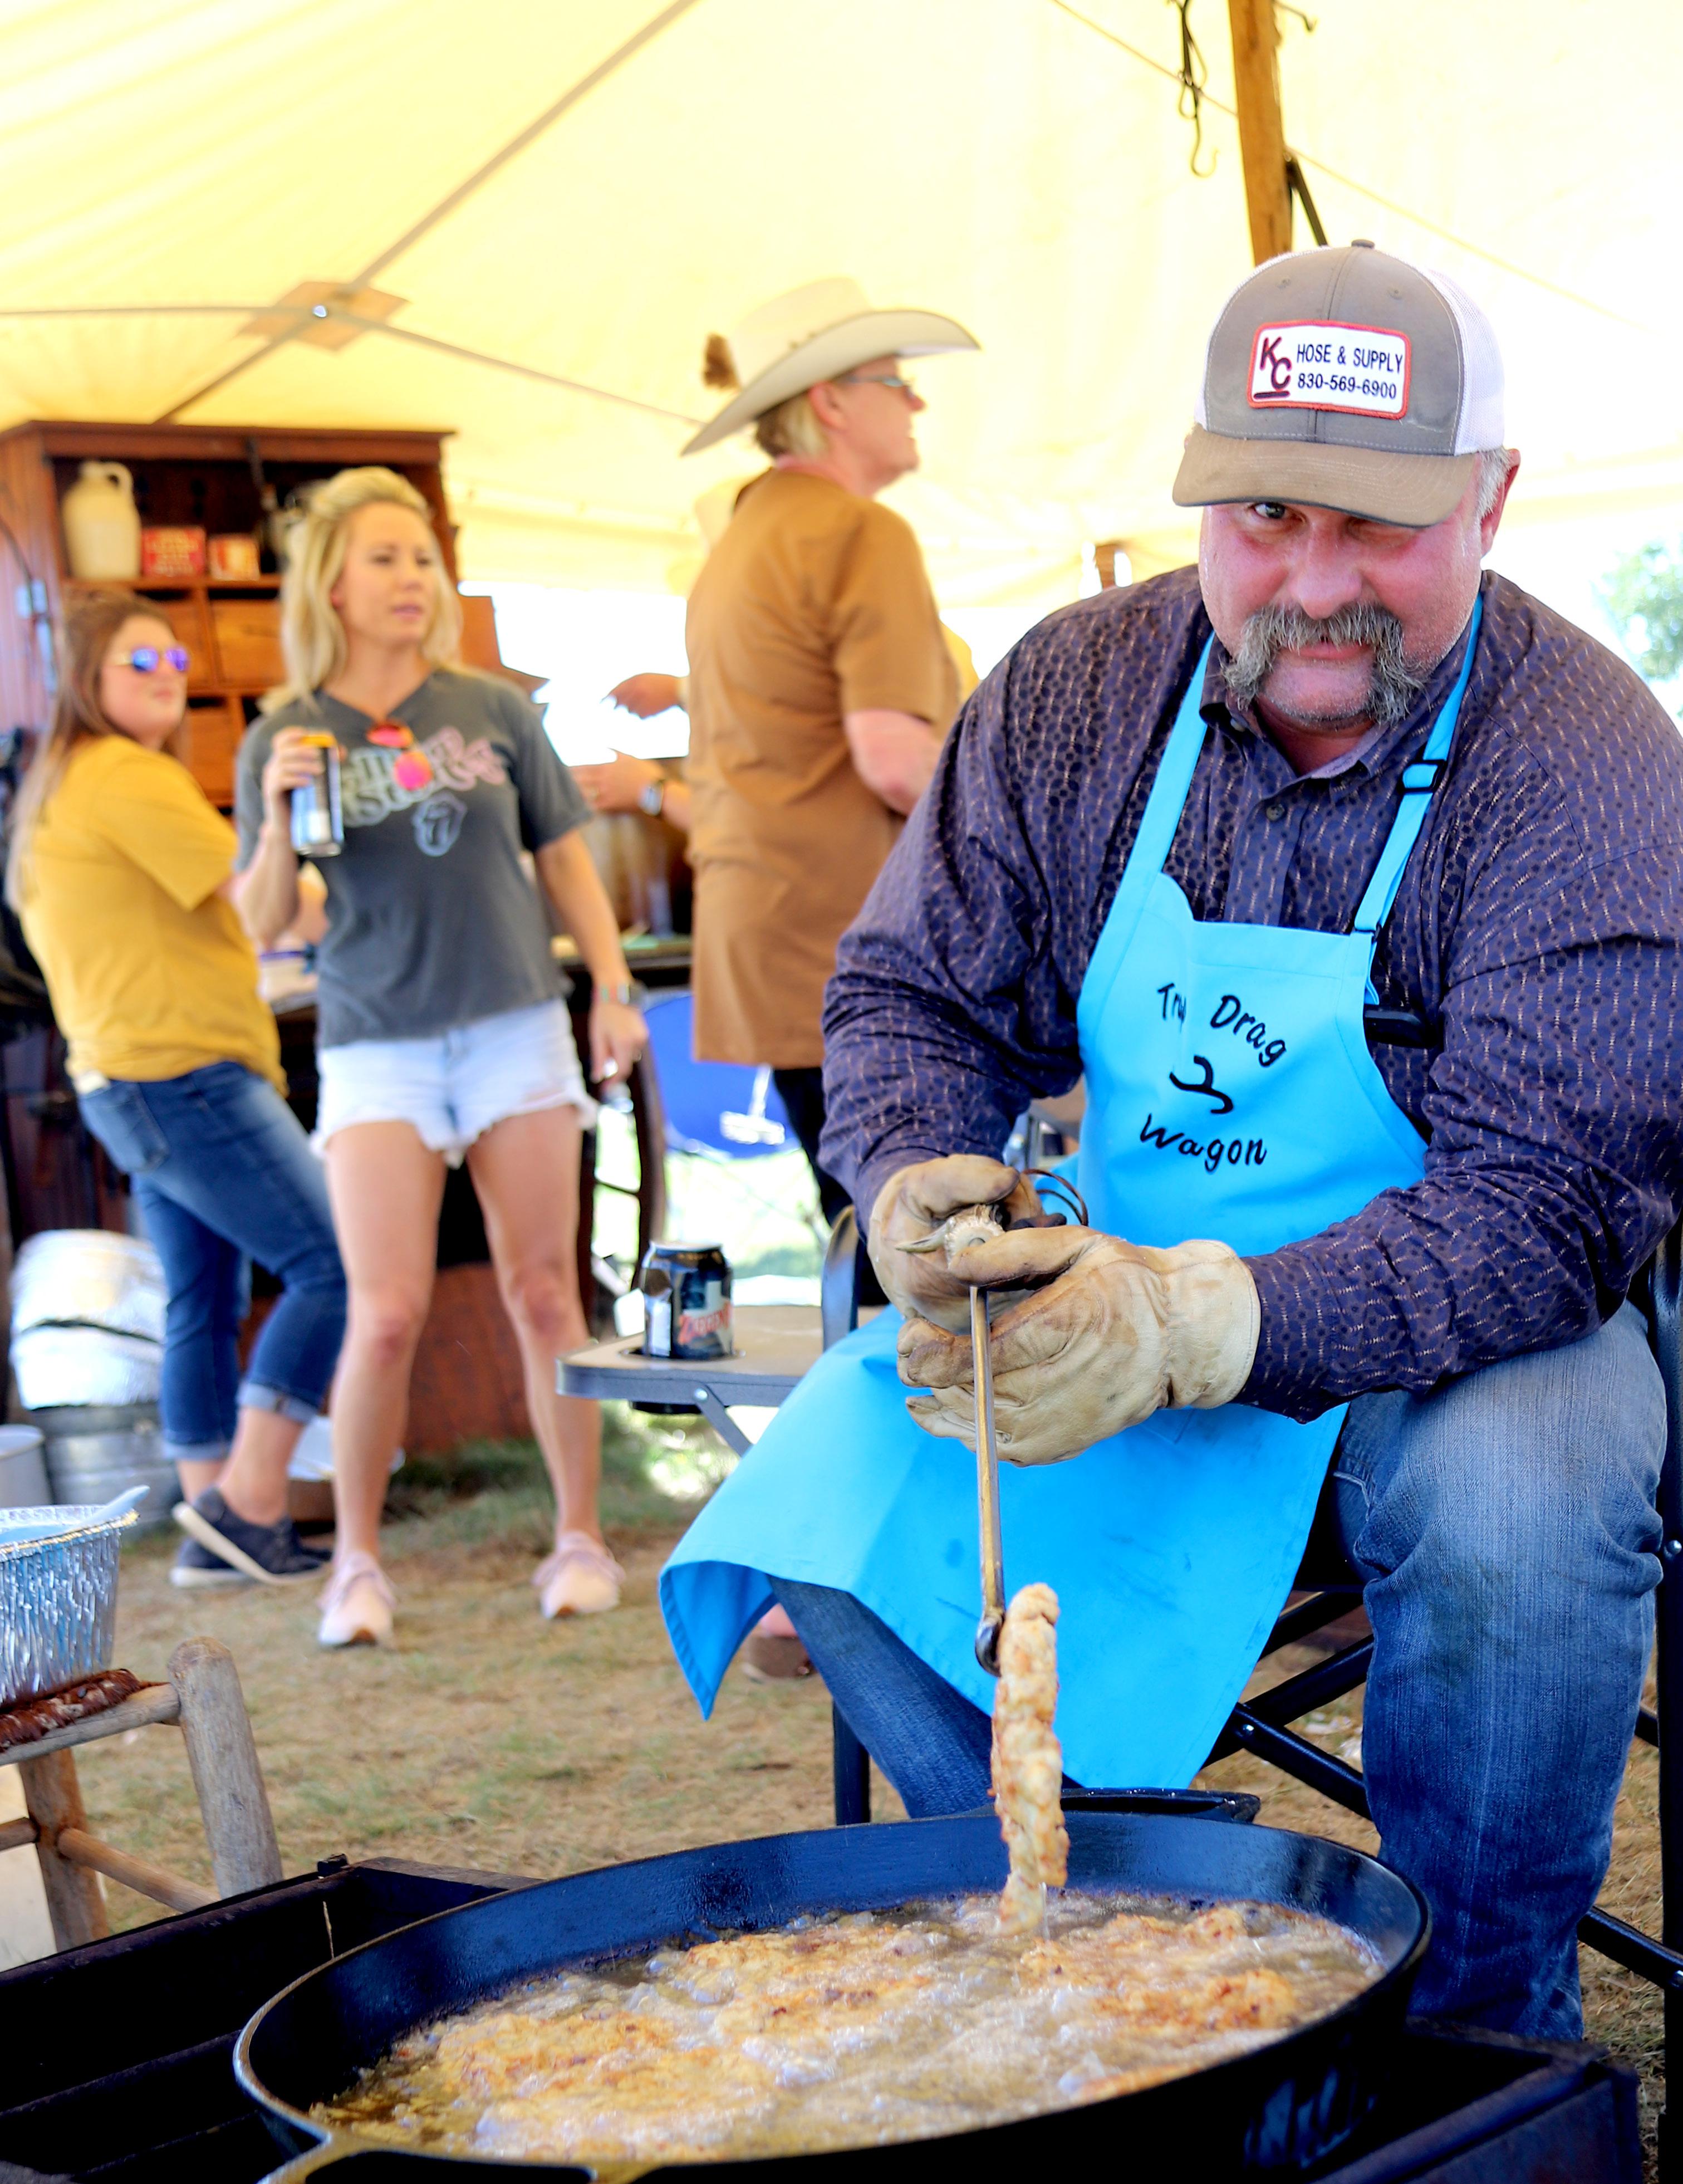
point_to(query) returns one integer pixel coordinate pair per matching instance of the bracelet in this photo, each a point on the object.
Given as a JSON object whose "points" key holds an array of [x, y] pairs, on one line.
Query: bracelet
{"points": [[622, 992]]}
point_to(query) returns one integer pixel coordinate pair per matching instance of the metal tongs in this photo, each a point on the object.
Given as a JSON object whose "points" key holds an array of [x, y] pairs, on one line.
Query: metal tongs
{"points": [[959, 1233]]}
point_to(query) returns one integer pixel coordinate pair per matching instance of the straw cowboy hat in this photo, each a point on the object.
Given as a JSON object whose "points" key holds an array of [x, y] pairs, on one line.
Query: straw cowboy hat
{"points": [[810, 334]]}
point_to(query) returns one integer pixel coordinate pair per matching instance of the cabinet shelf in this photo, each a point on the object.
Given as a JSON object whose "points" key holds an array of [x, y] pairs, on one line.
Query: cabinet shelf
{"points": [[147, 586]]}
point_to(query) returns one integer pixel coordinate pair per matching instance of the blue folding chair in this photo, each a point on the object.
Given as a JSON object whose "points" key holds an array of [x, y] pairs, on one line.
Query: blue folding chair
{"points": [[719, 1109]]}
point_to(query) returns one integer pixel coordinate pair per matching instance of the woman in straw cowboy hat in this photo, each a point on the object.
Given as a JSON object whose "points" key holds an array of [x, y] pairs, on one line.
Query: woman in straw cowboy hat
{"points": [[820, 682], [819, 687]]}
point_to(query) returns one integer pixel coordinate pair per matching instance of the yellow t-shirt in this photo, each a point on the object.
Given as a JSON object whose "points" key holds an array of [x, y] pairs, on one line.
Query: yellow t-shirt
{"points": [[150, 971]]}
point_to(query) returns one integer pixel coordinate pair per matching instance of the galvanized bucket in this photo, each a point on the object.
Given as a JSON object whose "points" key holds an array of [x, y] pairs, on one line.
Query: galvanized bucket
{"points": [[59, 1602], [23, 1469], [94, 1451]]}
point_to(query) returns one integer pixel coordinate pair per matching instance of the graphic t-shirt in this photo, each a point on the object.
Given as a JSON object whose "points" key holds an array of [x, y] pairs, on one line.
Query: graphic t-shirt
{"points": [[149, 968], [431, 923]]}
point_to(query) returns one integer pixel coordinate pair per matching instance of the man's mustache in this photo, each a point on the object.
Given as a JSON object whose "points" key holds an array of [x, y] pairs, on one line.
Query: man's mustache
{"points": [[1393, 685]]}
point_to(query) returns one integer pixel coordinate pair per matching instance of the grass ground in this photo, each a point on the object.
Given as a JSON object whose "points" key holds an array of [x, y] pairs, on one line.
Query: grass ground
{"points": [[484, 1736], [487, 1737]]}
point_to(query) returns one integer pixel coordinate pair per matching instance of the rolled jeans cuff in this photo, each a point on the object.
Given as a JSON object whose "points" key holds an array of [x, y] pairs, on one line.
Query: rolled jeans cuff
{"points": [[257, 1395], [195, 1451]]}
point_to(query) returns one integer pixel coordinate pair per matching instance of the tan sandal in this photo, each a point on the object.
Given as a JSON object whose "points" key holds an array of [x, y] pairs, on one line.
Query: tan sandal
{"points": [[580, 1578], [356, 1603]]}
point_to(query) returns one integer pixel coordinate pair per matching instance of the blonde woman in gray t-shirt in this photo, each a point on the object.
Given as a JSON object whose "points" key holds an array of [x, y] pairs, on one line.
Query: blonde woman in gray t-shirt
{"points": [[443, 1036]]}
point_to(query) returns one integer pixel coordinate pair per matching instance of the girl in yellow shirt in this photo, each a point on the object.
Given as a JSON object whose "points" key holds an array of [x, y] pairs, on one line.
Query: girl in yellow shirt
{"points": [[119, 869]]}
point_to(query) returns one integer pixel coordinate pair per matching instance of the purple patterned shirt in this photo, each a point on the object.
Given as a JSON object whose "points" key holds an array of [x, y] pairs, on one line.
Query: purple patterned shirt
{"points": [[1537, 928]]}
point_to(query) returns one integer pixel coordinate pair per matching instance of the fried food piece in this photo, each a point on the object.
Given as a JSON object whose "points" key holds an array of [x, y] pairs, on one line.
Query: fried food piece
{"points": [[504, 2054], [782, 1962], [1225, 2002], [1027, 1760], [1218, 1938]]}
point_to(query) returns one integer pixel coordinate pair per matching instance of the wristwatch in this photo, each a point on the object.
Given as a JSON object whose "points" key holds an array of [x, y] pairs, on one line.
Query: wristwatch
{"points": [[652, 796]]}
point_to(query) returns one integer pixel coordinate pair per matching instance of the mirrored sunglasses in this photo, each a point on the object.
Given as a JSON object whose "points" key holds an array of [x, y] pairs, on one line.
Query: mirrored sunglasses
{"points": [[147, 659]]}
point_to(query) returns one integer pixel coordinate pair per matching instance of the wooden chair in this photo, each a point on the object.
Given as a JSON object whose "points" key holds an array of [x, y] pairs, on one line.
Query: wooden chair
{"points": [[202, 1697]]}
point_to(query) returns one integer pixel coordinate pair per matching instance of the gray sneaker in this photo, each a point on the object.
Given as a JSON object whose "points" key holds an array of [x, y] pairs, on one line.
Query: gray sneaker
{"points": [[273, 1554], [196, 1569]]}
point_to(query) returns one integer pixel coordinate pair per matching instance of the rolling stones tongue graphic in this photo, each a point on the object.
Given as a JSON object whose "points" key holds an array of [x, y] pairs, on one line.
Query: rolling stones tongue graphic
{"points": [[386, 772], [411, 769]]}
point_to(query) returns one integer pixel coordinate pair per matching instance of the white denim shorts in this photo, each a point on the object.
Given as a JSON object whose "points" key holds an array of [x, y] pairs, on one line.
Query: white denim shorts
{"points": [[453, 1088]]}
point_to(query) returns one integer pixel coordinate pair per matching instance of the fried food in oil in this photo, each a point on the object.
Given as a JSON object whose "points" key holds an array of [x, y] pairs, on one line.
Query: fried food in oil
{"points": [[1027, 1760], [1205, 1991], [857, 2030]]}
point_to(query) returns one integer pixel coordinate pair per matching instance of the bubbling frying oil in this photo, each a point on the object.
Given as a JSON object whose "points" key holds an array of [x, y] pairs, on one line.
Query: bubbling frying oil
{"points": [[856, 2030]]}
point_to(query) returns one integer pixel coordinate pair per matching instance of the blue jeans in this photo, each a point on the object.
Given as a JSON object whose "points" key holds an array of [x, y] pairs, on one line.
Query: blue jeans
{"points": [[1505, 1532], [223, 1173]]}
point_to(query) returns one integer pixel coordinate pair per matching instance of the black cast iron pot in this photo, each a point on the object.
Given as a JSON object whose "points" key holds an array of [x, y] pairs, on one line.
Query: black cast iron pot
{"points": [[1276, 2111]]}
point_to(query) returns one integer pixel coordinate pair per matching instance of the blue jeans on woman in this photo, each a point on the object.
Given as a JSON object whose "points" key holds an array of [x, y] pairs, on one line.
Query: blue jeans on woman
{"points": [[1505, 1532], [223, 1173]]}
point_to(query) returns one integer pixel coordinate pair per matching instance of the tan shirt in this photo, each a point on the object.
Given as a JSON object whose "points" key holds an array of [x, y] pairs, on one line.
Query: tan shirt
{"points": [[813, 603]]}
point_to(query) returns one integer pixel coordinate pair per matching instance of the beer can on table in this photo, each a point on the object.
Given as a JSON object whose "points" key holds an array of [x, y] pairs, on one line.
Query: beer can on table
{"points": [[318, 821], [686, 1302]]}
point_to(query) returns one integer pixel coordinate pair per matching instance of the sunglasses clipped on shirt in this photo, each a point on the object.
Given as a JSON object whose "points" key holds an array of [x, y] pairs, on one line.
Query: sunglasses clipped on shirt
{"points": [[147, 659]]}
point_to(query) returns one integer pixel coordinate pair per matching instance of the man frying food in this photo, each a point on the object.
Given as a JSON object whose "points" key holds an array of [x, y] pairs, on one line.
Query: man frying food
{"points": [[1348, 877]]}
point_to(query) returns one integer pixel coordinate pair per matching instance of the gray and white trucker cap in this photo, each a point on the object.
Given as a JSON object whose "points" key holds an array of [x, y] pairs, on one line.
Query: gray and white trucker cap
{"points": [[1348, 379]]}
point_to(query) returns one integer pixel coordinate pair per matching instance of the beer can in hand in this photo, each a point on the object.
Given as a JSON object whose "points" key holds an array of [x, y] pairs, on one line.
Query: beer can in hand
{"points": [[318, 821], [686, 1302]]}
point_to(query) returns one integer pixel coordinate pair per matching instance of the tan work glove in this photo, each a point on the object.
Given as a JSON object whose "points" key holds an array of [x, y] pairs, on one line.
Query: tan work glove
{"points": [[1109, 1333], [915, 1201]]}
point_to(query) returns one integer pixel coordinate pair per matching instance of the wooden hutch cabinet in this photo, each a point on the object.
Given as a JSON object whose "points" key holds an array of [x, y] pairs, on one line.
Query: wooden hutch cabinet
{"points": [[186, 474]]}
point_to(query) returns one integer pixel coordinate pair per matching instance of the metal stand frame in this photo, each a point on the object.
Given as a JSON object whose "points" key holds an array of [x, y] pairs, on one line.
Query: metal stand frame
{"points": [[1263, 1725], [1663, 1965]]}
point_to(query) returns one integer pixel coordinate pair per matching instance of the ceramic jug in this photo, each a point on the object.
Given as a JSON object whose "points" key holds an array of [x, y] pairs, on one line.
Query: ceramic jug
{"points": [[102, 524]]}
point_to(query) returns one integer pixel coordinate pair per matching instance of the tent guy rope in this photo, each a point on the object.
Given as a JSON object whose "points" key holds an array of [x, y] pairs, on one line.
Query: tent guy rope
{"points": [[1361, 189]]}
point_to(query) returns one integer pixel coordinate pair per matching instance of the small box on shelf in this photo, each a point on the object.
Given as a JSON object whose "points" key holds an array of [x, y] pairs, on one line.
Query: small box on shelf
{"points": [[234, 556], [171, 550]]}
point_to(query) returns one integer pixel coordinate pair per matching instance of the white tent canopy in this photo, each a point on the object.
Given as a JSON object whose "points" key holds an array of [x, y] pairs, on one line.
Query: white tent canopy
{"points": [[567, 198]]}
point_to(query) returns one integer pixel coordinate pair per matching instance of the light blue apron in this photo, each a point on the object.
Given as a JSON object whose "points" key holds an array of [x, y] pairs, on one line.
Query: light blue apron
{"points": [[1231, 1094]]}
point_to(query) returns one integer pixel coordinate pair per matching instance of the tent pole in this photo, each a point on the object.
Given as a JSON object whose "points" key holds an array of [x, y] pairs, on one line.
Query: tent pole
{"points": [[1262, 132]]}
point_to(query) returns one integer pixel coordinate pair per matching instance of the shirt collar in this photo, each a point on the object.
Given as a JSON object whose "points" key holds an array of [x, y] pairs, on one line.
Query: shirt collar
{"points": [[398, 712], [1382, 750]]}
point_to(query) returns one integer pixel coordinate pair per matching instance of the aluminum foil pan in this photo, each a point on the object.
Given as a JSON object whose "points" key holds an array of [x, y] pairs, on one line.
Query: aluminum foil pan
{"points": [[59, 1602], [89, 1277], [56, 1366]]}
